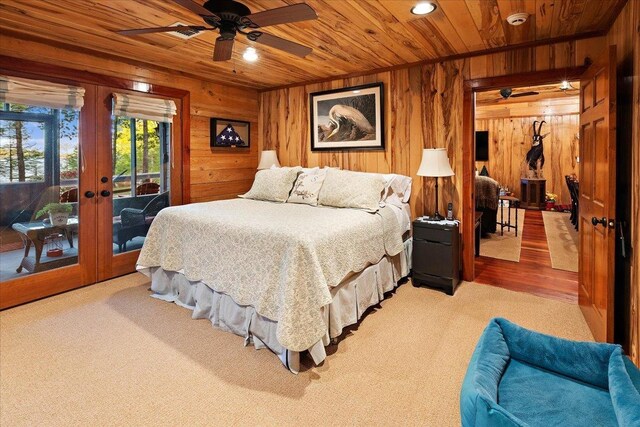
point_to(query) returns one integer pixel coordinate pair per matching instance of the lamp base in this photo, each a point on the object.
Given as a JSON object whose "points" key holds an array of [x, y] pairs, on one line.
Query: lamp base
{"points": [[437, 217]]}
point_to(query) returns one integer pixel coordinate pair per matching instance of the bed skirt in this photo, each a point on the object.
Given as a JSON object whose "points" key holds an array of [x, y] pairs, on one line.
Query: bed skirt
{"points": [[350, 299]]}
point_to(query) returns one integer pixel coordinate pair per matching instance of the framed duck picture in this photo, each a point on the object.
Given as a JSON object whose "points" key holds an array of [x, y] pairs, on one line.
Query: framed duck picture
{"points": [[227, 133], [350, 118]]}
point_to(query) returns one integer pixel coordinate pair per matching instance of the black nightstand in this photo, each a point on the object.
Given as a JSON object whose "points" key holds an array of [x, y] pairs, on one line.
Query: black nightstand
{"points": [[436, 255]]}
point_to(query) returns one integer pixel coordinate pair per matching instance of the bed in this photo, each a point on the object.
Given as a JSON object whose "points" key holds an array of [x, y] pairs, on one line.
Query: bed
{"points": [[286, 276]]}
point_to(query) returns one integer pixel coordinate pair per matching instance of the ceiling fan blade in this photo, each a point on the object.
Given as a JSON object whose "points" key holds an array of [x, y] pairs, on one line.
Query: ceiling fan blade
{"points": [[285, 45], [161, 30], [194, 7], [283, 15], [516, 95], [223, 49]]}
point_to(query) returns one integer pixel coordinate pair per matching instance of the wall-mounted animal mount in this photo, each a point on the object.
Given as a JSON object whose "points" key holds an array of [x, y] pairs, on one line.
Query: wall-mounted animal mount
{"points": [[535, 156]]}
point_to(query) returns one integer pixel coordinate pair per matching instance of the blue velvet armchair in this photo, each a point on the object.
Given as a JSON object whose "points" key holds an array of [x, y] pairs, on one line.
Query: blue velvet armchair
{"points": [[517, 377]]}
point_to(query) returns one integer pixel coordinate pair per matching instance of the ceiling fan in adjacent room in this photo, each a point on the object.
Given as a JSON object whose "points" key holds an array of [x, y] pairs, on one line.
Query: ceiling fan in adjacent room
{"points": [[230, 17], [508, 93]]}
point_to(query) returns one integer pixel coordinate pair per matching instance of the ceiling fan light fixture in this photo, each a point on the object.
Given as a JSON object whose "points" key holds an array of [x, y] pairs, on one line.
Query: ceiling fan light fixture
{"points": [[423, 8], [250, 55], [565, 85]]}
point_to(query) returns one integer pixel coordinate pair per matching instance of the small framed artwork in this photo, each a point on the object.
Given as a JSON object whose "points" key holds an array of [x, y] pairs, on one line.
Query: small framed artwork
{"points": [[350, 118], [227, 133]]}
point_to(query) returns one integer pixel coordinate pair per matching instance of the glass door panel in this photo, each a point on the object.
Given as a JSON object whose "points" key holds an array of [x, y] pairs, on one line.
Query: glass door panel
{"points": [[39, 181], [141, 178]]}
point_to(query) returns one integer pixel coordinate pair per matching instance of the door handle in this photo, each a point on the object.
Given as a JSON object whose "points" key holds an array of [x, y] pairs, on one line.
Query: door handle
{"points": [[623, 244], [595, 221], [89, 194], [105, 193]]}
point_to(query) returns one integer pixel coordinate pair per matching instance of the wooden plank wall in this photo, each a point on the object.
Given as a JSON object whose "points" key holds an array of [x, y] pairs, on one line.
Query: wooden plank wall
{"points": [[625, 34], [423, 110], [419, 113], [214, 175], [510, 139], [424, 107]]}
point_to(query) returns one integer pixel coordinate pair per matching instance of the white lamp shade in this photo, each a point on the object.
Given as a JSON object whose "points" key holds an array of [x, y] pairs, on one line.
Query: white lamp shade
{"points": [[268, 158], [435, 163]]}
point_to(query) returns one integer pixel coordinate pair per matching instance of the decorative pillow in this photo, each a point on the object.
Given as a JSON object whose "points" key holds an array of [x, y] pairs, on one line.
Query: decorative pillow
{"points": [[308, 170], [348, 189], [397, 189], [272, 184], [307, 187]]}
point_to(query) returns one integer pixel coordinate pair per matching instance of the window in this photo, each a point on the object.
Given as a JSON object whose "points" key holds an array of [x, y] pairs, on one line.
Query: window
{"points": [[38, 169], [38, 144], [140, 157]]}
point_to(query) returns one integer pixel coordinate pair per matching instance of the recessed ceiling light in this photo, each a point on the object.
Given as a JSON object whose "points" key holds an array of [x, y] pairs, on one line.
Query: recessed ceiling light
{"points": [[356, 91], [423, 8], [250, 55]]}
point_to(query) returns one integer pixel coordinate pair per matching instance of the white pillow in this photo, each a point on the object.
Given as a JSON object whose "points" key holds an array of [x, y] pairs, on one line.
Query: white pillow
{"points": [[310, 169], [273, 184], [307, 187], [348, 189], [397, 189]]}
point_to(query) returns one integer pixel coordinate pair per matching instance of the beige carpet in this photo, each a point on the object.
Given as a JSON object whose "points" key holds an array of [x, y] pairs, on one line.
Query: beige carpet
{"points": [[562, 239], [509, 245], [109, 354]]}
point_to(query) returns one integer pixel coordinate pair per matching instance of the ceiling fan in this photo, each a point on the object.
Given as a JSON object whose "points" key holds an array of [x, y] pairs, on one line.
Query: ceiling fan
{"points": [[508, 93], [230, 17]]}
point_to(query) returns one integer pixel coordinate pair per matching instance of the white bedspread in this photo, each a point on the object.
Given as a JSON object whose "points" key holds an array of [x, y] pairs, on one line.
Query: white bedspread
{"points": [[279, 258]]}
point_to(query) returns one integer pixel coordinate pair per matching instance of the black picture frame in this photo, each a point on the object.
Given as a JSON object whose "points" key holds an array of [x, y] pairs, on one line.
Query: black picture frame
{"points": [[327, 127], [240, 127]]}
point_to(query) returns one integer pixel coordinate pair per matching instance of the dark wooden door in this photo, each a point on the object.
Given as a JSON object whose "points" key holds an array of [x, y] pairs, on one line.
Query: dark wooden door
{"points": [[597, 194]]}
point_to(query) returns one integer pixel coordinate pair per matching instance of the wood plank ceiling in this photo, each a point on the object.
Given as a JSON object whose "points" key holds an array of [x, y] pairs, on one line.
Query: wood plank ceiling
{"points": [[349, 36]]}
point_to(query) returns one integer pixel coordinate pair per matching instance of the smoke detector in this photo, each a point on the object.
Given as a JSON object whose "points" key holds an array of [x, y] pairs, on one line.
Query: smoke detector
{"points": [[185, 33], [516, 19]]}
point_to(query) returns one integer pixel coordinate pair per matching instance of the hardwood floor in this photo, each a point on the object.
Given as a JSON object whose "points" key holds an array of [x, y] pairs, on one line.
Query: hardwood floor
{"points": [[533, 274]]}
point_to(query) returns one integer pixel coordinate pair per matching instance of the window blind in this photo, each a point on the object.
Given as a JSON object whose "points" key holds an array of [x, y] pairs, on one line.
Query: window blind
{"points": [[143, 107], [40, 93]]}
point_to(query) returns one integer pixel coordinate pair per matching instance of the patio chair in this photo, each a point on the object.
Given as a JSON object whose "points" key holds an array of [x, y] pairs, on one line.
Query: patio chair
{"points": [[136, 222]]}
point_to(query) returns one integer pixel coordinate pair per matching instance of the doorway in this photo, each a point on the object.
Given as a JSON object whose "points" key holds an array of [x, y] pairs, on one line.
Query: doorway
{"points": [[597, 220], [75, 210], [526, 183]]}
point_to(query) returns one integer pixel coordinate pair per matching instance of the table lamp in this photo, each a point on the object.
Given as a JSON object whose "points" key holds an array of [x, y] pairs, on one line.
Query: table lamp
{"points": [[435, 163], [268, 158]]}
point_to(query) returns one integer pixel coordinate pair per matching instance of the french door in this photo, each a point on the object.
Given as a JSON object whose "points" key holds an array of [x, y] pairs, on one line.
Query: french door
{"points": [[108, 175], [47, 232], [138, 174]]}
